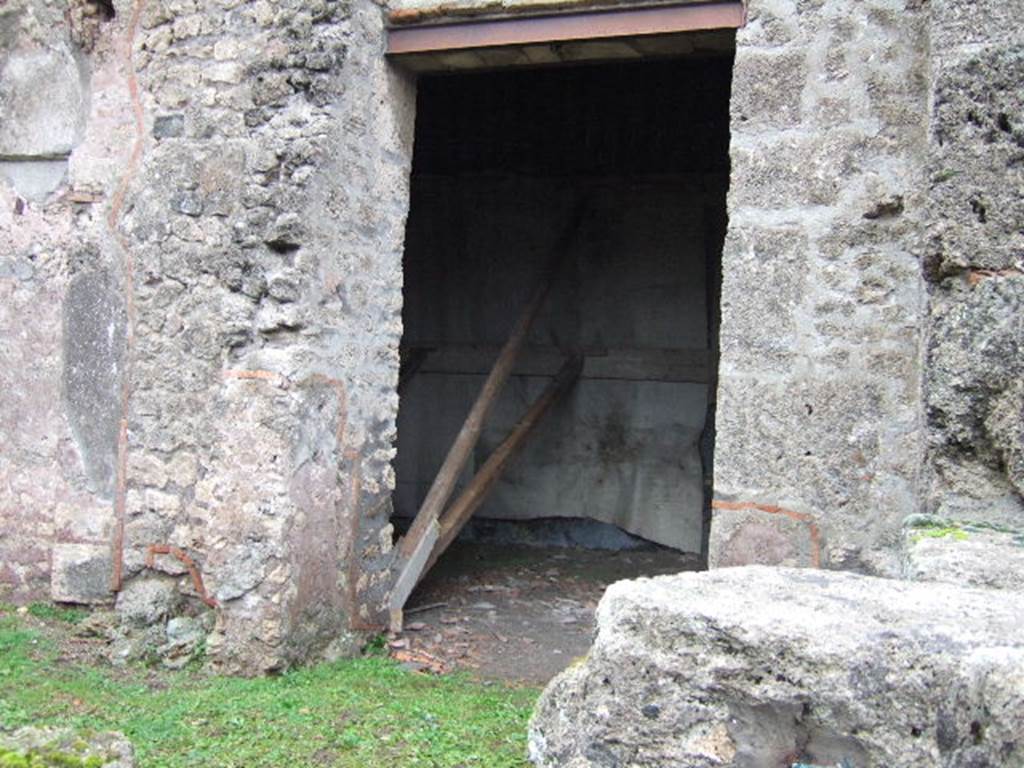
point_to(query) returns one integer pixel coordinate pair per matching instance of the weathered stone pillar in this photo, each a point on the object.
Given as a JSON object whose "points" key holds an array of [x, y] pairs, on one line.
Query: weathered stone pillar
{"points": [[218, 277], [819, 442], [973, 252]]}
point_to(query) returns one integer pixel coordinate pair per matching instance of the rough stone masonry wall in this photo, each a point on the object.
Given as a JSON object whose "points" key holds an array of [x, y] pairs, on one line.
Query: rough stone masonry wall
{"points": [[819, 442], [203, 316], [973, 255], [873, 297]]}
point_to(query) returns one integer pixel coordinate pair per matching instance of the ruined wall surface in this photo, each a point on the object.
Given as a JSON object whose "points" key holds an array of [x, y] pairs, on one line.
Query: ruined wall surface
{"points": [[973, 255], [819, 443], [202, 313], [62, 314], [873, 299]]}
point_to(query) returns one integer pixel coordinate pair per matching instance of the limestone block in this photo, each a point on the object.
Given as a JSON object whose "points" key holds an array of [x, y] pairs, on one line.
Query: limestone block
{"points": [[81, 573], [976, 211], [146, 601], [761, 666], [761, 294], [815, 441], [974, 398], [791, 171], [970, 22], [767, 88], [976, 555]]}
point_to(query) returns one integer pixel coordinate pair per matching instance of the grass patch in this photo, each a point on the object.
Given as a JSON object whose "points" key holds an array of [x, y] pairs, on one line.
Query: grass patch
{"points": [[362, 712], [52, 612]]}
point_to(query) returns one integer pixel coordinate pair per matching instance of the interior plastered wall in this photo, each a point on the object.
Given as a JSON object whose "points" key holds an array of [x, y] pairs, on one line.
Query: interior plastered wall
{"points": [[622, 448], [202, 314]]}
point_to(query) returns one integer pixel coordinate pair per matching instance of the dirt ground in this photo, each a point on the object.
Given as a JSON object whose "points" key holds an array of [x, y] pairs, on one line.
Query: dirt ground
{"points": [[519, 614]]}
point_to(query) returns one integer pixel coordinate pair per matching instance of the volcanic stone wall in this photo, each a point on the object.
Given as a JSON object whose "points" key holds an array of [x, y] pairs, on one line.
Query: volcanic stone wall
{"points": [[202, 314], [872, 309], [819, 432], [973, 261]]}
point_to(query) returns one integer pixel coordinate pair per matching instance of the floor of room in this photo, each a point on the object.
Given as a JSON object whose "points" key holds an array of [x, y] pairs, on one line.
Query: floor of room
{"points": [[517, 613]]}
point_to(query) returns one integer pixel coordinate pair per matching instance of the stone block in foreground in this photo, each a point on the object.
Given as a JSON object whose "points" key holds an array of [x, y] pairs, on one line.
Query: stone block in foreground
{"points": [[758, 667], [64, 747]]}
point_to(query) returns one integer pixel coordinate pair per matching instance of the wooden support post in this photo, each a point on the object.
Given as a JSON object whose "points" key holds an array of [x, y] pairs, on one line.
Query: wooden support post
{"points": [[410, 575], [462, 509]]}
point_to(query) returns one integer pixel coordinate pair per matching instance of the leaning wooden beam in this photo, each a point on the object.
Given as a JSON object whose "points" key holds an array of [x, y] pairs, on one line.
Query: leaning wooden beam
{"points": [[466, 440], [410, 575], [462, 509]]}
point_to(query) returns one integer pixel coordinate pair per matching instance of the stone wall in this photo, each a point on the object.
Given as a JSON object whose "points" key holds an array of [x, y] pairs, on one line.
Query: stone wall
{"points": [[208, 313], [819, 440], [973, 256], [202, 208], [873, 316]]}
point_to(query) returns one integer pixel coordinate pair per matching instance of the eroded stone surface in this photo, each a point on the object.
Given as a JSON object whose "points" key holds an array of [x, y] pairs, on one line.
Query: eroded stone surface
{"points": [[760, 666], [971, 554], [206, 317]]}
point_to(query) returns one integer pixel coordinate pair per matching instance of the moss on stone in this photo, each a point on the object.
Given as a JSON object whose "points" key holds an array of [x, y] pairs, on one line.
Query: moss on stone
{"points": [[47, 758], [951, 531]]}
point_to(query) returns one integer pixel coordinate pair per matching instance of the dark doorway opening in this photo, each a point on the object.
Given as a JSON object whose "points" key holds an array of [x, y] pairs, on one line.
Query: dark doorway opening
{"points": [[503, 162]]}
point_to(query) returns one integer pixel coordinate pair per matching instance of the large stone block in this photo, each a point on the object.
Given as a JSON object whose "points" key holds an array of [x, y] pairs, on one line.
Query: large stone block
{"points": [[756, 666], [762, 292], [971, 22], [760, 535], [43, 101], [975, 400], [792, 171], [766, 89], [975, 208], [977, 555], [81, 573]]}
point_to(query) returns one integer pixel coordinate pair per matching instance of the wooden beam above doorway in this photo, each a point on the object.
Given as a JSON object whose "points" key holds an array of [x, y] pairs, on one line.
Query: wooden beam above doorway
{"points": [[425, 32]]}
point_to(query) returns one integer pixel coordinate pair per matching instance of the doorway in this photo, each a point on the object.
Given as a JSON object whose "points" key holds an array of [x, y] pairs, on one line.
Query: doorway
{"points": [[610, 178]]}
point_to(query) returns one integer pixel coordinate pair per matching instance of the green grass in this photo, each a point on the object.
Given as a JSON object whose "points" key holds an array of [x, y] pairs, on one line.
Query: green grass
{"points": [[364, 712], [51, 612]]}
